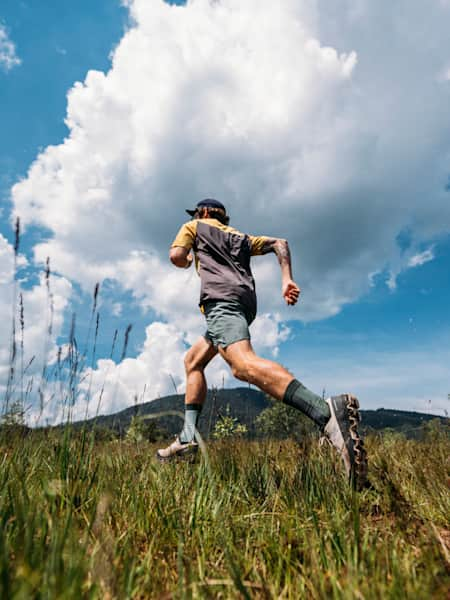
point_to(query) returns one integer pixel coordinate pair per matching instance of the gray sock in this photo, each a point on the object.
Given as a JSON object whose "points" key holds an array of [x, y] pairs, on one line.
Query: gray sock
{"points": [[191, 415], [312, 405]]}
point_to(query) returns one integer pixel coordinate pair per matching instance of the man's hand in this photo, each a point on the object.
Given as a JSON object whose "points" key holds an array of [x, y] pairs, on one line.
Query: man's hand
{"points": [[289, 288], [290, 291]]}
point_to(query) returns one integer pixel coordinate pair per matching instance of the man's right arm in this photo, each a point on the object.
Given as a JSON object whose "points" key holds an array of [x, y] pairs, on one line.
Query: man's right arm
{"points": [[279, 247], [289, 289]]}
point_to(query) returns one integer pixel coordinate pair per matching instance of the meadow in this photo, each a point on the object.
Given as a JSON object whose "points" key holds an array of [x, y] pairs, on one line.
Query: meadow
{"points": [[250, 519]]}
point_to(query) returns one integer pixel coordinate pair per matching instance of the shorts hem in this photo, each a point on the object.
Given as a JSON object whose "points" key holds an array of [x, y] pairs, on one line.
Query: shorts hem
{"points": [[225, 346]]}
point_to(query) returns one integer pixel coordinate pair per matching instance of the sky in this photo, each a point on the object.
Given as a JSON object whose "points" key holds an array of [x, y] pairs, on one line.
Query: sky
{"points": [[322, 122]]}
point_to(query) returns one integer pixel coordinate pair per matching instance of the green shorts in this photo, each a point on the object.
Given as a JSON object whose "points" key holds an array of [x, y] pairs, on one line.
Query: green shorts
{"points": [[227, 322]]}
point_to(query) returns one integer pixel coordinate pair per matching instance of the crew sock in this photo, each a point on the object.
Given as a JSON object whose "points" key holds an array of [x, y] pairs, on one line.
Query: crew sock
{"points": [[312, 405], [191, 415]]}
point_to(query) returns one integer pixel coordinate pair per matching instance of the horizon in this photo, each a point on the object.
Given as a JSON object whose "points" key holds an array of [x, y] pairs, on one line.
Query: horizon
{"points": [[231, 389]]}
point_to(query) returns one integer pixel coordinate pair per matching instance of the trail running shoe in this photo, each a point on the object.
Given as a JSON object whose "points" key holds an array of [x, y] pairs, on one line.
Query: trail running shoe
{"points": [[342, 433], [177, 450]]}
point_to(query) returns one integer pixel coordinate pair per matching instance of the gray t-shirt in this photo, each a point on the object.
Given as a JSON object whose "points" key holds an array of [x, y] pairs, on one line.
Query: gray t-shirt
{"points": [[222, 258]]}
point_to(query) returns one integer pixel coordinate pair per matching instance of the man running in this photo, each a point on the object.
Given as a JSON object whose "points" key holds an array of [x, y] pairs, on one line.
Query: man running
{"points": [[228, 302]]}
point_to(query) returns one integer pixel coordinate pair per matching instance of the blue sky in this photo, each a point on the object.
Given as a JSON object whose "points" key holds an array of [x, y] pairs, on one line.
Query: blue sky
{"points": [[379, 324], [57, 44]]}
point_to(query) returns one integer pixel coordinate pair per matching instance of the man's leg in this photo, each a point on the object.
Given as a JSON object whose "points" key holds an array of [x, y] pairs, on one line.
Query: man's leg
{"points": [[338, 417], [195, 362], [275, 380]]}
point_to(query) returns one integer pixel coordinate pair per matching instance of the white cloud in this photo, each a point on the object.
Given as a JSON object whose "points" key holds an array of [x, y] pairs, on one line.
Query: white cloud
{"points": [[8, 56], [116, 309], [408, 260], [291, 112], [268, 332], [391, 281], [190, 106], [197, 102], [40, 309], [420, 259]]}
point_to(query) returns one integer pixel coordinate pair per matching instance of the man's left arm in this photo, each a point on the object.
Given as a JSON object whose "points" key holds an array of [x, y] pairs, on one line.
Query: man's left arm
{"points": [[180, 257], [289, 289], [180, 251]]}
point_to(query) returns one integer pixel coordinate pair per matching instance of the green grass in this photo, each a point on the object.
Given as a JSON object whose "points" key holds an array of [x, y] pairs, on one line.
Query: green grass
{"points": [[256, 520]]}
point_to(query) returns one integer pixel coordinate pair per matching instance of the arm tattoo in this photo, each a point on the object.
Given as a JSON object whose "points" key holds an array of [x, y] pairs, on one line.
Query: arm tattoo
{"points": [[281, 249], [268, 246]]}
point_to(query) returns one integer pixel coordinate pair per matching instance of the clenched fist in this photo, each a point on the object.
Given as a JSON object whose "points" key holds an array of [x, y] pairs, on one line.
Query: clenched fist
{"points": [[290, 291]]}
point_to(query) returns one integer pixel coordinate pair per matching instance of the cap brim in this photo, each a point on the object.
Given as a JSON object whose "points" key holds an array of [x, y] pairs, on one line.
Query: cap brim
{"points": [[190, 211]]}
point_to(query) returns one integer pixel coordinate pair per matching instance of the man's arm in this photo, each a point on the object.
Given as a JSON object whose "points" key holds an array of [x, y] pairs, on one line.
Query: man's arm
{"points": [[180, 257], [184, 241], [280, 247]]}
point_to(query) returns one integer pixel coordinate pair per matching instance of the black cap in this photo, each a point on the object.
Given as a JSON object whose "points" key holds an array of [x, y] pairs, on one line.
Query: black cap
{"points": [[206, 203]]}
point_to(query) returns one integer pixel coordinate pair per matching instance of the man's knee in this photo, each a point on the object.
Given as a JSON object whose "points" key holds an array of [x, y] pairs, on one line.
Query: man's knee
{"points": [[189, 362], [239, 372], [193, 362], [243, 370]]}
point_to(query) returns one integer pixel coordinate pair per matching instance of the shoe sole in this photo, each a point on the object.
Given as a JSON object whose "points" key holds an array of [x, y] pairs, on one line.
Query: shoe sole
{"points": [[358, 475]]}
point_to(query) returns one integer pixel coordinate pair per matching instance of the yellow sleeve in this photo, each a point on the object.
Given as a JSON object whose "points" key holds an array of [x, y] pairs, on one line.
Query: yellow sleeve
{"points": [[185, 238], [257, 243]]}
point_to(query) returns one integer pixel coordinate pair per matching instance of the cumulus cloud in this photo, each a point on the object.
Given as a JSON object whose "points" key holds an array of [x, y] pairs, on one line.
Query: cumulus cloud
{"points": [[189, 107], [8, 56], [291, 113]]}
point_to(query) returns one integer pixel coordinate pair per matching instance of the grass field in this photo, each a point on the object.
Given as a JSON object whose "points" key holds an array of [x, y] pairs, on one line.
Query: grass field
{"points": [[82, 519]]}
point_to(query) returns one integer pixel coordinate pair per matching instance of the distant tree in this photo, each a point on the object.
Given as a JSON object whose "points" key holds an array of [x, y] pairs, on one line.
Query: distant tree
{"points": [[435, 429], [15, 415], [282, 421], [12, 423], [228, 426], [104, 434], [141, 429]]}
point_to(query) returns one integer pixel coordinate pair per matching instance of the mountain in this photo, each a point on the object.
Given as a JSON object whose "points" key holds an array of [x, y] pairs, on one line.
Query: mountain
{"points": [[384, 418], [245, 404]]}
